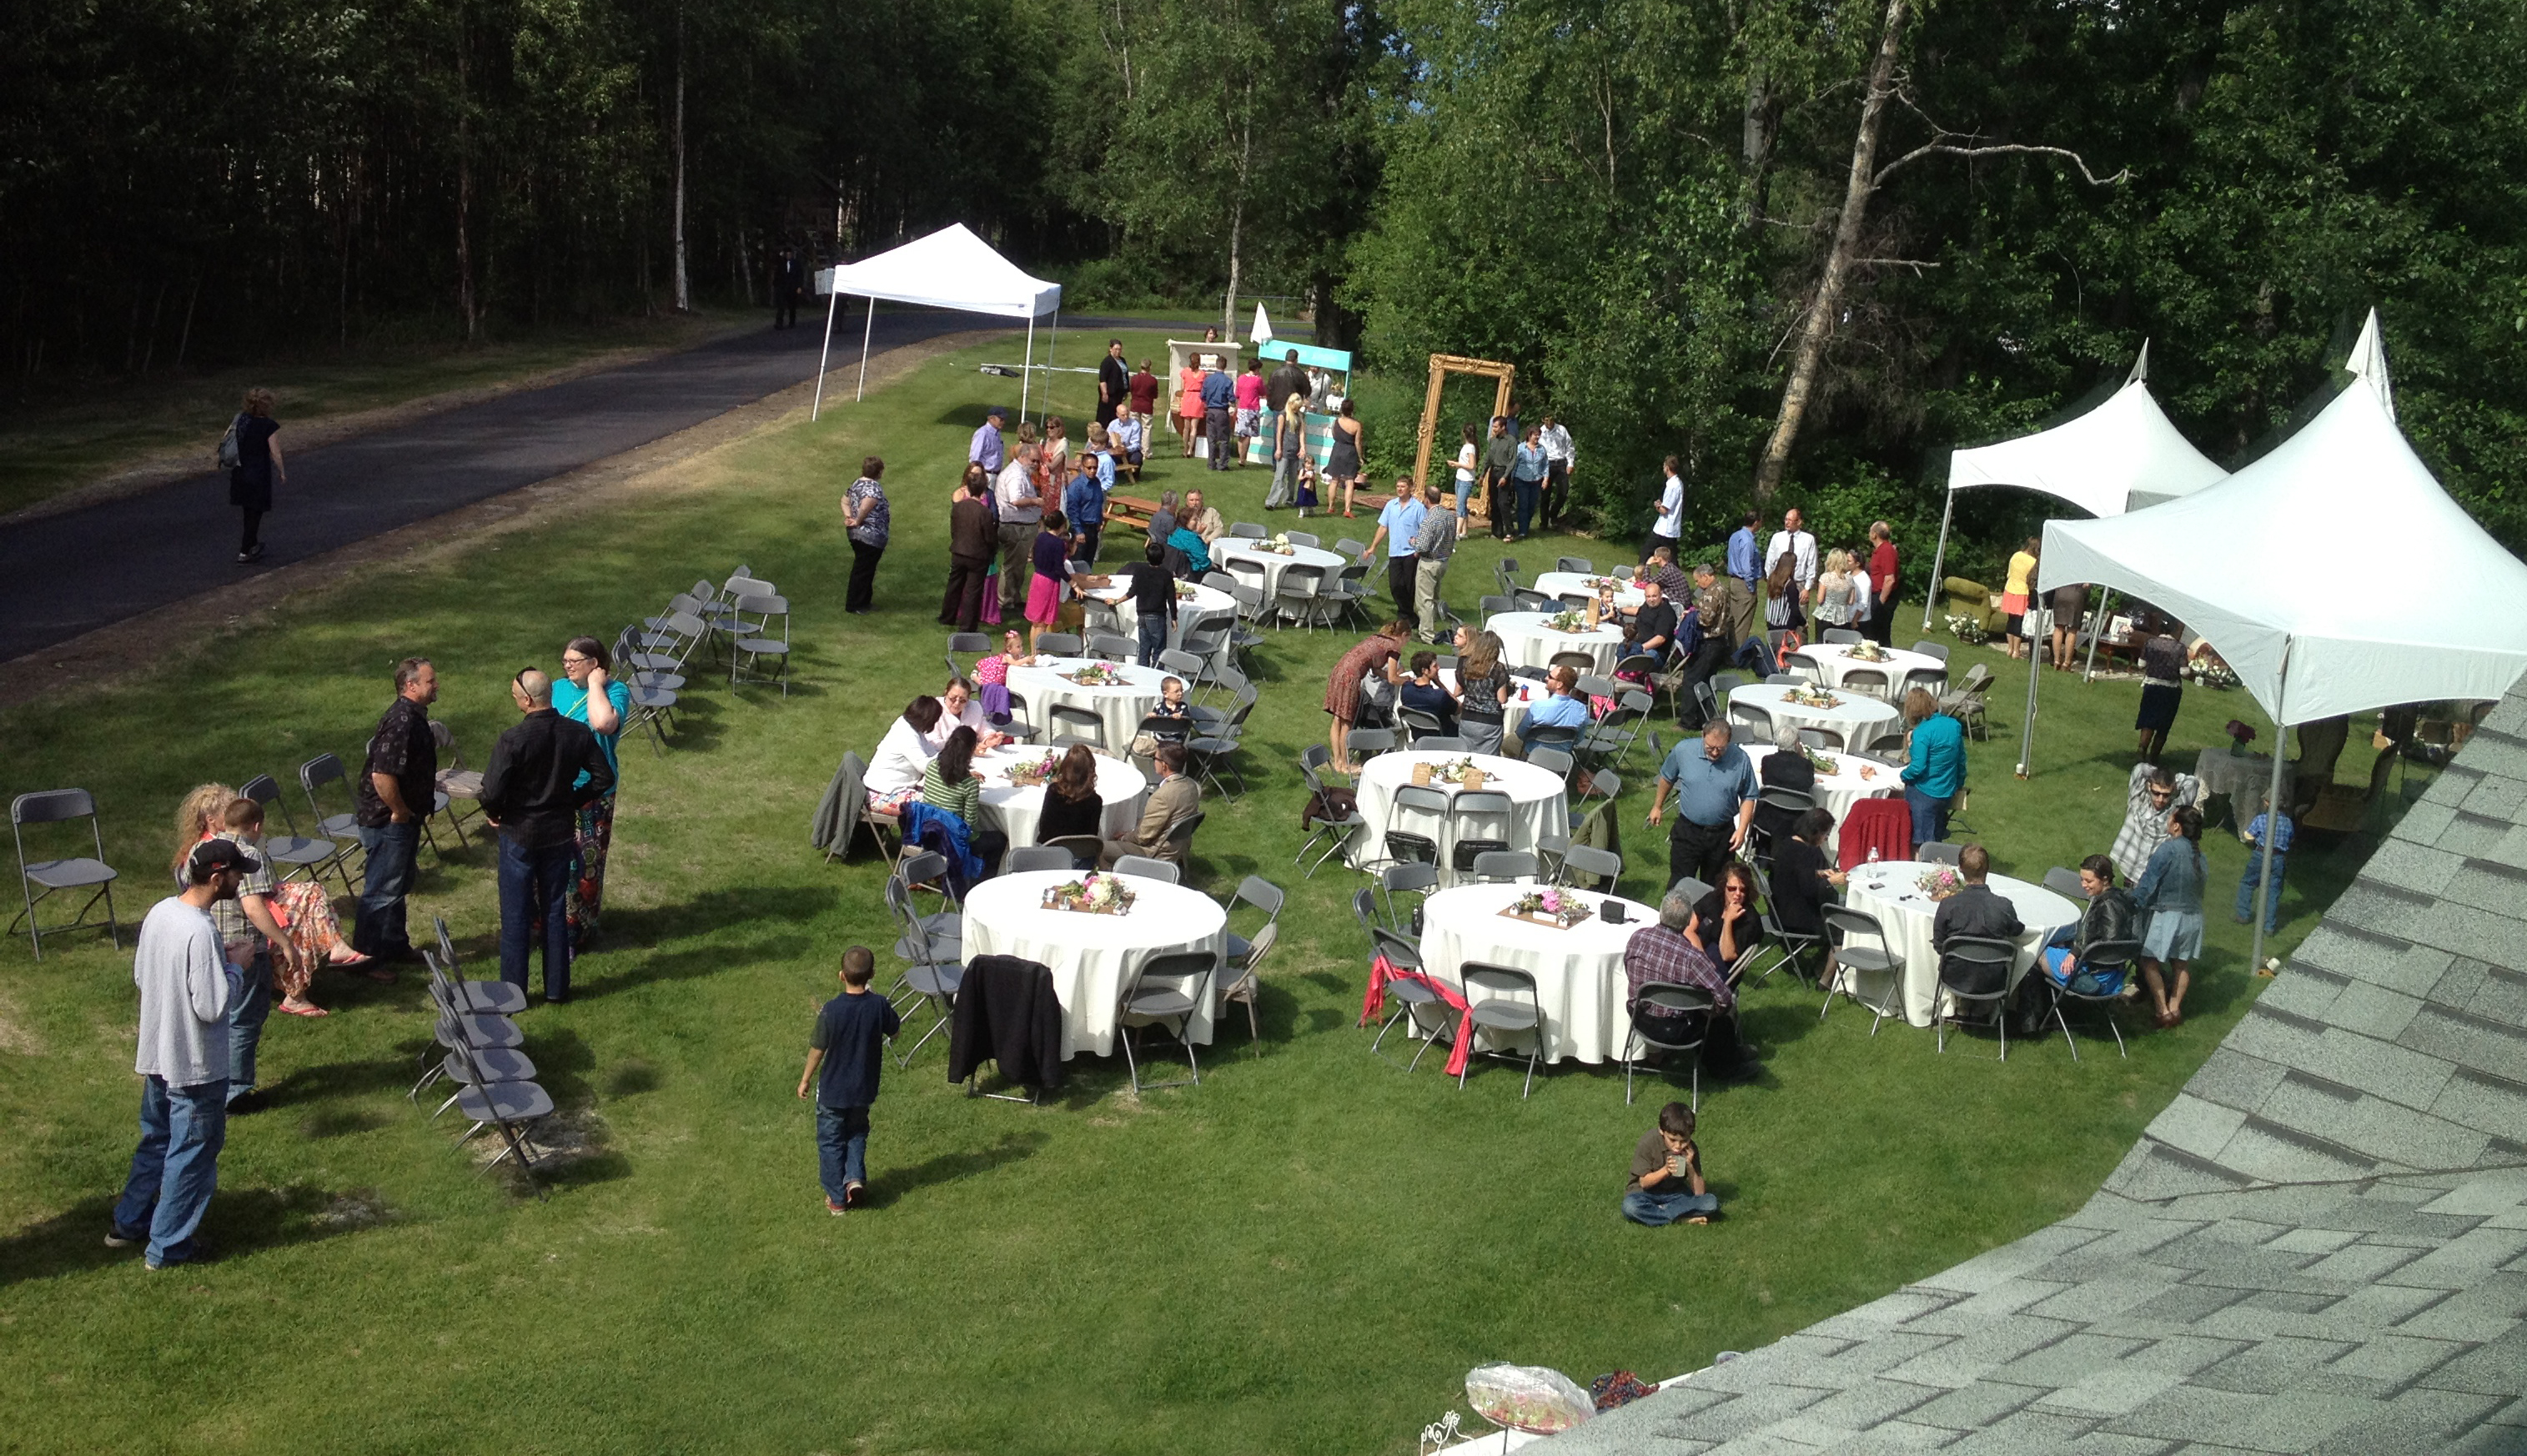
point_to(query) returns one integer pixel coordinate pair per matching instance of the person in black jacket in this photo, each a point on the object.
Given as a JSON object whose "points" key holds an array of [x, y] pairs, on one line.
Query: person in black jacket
{"points": [[1802, 880], [1785, 767], [527, 796], [789, 280], [1114, 383]]}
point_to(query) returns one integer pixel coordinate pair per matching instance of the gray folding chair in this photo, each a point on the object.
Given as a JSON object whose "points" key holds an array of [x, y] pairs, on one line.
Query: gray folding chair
{"points": [[283, 845], [1069, 722], [1493, 606], [514, 1107], [2065, 882], [1504, 868], [1861, 948], [1057, 644], [1938, 852], [1974, 969], [1249, 531], [1305, 539], [1593, 864], [1023, 859], [1870, 680], [313, 776], [2103, 956], [1428, 810], [1579, 564], [1114, 645], [1084, 849], [1262, 895], [1159, 990], [1430, 1015], [753, 642], [1679, 1019], [1334, 833], [1142, 867], [1510, 1006], [1415, 878], [487, 997], [66, 873], [1931, 649], [458, 785], [1244, 984]]}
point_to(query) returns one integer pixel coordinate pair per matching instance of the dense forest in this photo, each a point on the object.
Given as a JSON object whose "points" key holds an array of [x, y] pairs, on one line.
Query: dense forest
{"points": [[1805, 244]]}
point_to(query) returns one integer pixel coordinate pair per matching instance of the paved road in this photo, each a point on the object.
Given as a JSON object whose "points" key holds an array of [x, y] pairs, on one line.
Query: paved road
{"points": [[67, 574]]}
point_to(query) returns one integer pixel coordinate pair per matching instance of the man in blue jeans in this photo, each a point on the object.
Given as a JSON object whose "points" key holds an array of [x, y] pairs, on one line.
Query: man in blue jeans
{"points": [[542, 773], [398, 788], [188, 991], [1936, 770], [2279, 826], [1153, 595], [845, 1048]]}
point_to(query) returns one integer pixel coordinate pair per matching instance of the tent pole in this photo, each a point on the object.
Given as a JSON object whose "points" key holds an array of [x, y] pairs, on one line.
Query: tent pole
{"points": [[2105, 599], [2272, 810], [1938, 558], [831, 300], [1026, 376], [2026, 731], [1051, 344], [866, 329]]}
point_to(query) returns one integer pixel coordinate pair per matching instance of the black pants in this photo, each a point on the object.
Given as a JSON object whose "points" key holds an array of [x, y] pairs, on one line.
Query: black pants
{"points": [[1401, 572], [1216, 423], [785, 308], [253, 535], [1557, 492], [863, 576], [967, 579], [1697, 849], [1084, 551], [1497, 504], [1705, 665]]}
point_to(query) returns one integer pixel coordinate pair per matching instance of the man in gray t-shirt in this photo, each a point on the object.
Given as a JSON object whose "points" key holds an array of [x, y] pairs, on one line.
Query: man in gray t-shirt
{"points": [[187, 992]]}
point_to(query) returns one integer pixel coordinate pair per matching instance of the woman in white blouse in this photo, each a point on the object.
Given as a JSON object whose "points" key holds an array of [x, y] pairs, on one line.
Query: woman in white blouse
{"points": [[895, 770], [958, 708]]}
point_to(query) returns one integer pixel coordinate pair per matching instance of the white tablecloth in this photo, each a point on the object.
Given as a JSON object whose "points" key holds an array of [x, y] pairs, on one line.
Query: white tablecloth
{"points": [[1089, 955], [1627, 598], [1207, 606], [1834, 660], [1579, 973], [1513, 712], [1540, 805], [1241, 549], [1857, 716], [1840, 790], [1120, 707], [1887, 890], [1526, 642], [1013, 810]]}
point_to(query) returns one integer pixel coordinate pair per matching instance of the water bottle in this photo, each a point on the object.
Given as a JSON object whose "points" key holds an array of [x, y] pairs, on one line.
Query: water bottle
{"points": [[1873, 854]]}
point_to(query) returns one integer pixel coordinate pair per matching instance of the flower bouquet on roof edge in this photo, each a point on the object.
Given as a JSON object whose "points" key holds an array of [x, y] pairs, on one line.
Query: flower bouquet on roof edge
{"points": [[2240, 735], [1559, 906], [1941, 881], [1026, 776], [1096, 894]]}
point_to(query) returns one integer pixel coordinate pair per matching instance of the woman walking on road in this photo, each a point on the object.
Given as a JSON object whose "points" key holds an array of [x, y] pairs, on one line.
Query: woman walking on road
{"points": [[259, 464]]}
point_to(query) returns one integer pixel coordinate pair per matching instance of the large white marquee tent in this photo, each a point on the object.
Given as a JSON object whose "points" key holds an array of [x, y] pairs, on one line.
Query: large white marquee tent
{"points": [[950, 268]]}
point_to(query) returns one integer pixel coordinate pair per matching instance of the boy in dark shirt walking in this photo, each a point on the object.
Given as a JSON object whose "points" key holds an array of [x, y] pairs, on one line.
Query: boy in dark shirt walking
{"points": [[1667, 1173], [846, 1047]]}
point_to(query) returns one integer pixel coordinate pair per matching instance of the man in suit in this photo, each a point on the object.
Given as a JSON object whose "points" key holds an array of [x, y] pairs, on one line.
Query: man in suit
{"points": [[1975, 911], [789, 280], [1114, 383], [1175, 798]]}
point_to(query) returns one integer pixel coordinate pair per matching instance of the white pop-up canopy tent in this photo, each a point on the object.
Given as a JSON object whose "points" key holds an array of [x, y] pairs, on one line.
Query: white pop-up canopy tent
{"points": [[950, 268], [2267, 566], [2117, 457]]}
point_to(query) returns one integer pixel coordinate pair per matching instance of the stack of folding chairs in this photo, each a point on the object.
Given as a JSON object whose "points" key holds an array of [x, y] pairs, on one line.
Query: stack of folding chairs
{"points": [[478, 1049]]}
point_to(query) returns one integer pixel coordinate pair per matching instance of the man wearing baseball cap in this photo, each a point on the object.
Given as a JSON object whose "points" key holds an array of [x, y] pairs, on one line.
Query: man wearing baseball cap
{"points": [[187, 992], [986, 449]]}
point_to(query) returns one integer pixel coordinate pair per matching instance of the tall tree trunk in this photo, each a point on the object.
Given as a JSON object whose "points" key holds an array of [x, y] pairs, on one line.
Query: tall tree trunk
{"points": [[465, 303], [1818, 327], [684, 289], [1237, 220], [1762, 125]]}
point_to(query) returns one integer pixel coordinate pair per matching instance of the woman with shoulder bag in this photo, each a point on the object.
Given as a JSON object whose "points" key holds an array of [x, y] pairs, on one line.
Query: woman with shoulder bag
{"points": [[258, 465]]}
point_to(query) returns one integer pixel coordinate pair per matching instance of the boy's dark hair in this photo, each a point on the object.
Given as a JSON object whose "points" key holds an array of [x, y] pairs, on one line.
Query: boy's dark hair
{"points": [[242, 813], [859, 966], [1677, 1119], [1157, 553], [1425, 661]]}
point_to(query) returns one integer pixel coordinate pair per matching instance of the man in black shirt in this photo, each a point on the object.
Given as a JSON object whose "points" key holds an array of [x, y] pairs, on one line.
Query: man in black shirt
{"points": [[1154, 597], [1286, 381], [1975, 912], [1114, 383], [398, 788], [1654, 625], [789, 280], [528, 795]]}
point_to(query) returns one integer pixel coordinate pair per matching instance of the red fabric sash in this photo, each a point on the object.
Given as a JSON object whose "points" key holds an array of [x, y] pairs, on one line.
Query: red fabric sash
{"points": [[1373, 1003]]}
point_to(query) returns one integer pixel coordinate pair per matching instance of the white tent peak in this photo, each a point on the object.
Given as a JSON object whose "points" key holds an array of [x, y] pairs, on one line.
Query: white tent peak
{"points": [[2141, 365], [2368, 363], [950, 268], [2121, 455], [1263, 329]]}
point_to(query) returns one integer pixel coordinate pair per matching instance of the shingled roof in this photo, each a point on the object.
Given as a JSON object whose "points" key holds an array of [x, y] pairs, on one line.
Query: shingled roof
{"points": [[2320, 1246]]}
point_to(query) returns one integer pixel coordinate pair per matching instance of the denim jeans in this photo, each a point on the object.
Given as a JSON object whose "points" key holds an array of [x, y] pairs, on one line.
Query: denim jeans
{"points": [[176, 1167], [2247, 889], [1929, 817], [393, 850], [842, 1147], [1656, 1207], [245, 1025], [1529, 492], [535, 888], [1154, 638]]}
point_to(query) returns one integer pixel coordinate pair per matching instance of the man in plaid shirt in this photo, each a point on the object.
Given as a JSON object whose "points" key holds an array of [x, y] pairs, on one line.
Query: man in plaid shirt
{"points": [[2153, 794], [1661, 953]]}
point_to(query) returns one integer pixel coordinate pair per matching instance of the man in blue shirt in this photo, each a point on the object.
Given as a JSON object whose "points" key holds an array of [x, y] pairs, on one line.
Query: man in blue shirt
{"points": [[1715, 789], [1745, 569], [1399, 525], [1218, 405], [985, 449], [1083, 505], [1936, 769], [1565, 708]]}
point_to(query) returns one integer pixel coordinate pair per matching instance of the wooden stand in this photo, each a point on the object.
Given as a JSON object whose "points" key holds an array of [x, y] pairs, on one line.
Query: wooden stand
{"points": [[1441, 366]]}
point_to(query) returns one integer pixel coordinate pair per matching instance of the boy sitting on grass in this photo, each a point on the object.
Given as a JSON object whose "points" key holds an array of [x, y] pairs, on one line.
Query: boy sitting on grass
{"points": [[1667, 1173], [846, 1046]]}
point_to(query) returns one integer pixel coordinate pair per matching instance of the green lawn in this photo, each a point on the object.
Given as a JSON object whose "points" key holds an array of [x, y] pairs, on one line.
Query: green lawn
{"points": [[1305, 1254], [64, 434]]}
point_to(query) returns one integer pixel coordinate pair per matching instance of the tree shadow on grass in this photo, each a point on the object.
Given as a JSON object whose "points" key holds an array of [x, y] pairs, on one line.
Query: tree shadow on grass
{"points": [[241, 1220], [887, 1188]]}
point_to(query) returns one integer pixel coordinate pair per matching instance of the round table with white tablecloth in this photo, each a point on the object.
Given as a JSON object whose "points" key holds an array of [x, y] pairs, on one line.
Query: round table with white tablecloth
{"points": [[1243, 548], [1119, 707], [1197, 607], [1014, 810], [1539, 805], [1853, 779], [1555, 584], [1527, 640], [1513, 712], [1890, 891], [1834, 660], [1856, 717], [1579, 973], [1089, 955]]}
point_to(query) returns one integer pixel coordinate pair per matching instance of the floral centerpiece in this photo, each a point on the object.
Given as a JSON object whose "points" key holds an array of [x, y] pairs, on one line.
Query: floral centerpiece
{"points": [[1602, 584], [1093, 895], [1568, 621], [1279, 546], [1811, 697], [2240, 735], [1463, 771], [1097, 675], [1865, 651], [1820, 760], [1941, 881], [1968, 629], [1557, 907], [1187, 591], [1031, 772]]}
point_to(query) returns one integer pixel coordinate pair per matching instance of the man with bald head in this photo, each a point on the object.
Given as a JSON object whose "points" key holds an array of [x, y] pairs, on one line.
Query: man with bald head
{"points": [[529, 795]]}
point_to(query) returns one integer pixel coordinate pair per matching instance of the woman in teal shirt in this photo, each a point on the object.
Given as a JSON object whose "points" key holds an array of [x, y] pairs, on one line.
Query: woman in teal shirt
{"points": [[588, 694], [1936, 768]]}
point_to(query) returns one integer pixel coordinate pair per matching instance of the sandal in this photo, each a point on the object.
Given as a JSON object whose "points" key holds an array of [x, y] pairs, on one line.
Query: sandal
{"points": [[348, 957], [309, 1010]]}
